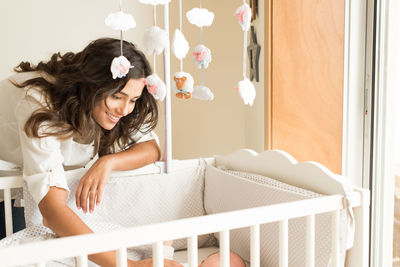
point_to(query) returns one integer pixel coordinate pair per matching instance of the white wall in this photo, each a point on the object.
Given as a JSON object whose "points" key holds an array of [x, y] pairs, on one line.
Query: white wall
{"points": [[33, 30]]}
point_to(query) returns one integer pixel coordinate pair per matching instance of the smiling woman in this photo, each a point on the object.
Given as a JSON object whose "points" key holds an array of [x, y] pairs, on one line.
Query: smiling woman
{"points": [[108, 112], [70, 111]]}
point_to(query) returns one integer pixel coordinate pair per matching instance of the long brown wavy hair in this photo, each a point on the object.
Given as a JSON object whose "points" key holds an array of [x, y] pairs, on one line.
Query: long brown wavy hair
{"points": [[79, 81]]}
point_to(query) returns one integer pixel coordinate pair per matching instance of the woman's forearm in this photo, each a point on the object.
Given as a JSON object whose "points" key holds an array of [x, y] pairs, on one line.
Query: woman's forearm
{"points": [[64, 222], [137, 156]]}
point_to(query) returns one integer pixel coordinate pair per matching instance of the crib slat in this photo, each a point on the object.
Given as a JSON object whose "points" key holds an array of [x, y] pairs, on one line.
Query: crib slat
{"points": [[192, 251], [310, 241], [283, 243], [158, 257], [255, 245], [8, 211], [335, 238], [224, 248], [82, 261], [122, 258]]}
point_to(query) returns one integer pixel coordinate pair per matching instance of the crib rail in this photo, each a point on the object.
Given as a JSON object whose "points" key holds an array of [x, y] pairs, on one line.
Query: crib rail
{"points": [[6, 184], [40, 252]]}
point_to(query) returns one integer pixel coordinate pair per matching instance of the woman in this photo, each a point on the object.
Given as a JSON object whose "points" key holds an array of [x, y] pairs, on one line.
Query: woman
{"points": [[70, 109]]}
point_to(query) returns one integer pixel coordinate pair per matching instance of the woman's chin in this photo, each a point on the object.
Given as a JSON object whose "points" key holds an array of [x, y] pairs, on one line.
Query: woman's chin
{"points": [[108, 126]]}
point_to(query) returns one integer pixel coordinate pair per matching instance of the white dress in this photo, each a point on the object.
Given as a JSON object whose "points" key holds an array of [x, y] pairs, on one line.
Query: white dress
{"points": [[43, 159]]}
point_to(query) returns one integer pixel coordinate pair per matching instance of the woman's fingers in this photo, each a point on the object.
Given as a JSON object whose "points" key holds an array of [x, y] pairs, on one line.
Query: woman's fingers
{"points": [[87, 185], [100, 190], [91, 187], [92, 198]]}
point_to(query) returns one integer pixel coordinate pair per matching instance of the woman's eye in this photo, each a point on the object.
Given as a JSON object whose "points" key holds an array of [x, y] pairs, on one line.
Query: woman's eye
{"points": [[115, 97], [133, 101]]}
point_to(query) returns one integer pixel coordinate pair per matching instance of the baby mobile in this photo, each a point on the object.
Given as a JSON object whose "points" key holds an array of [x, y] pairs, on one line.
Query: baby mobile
{"points": [[184, 84], [120, 66], [245, 87], [155, 40]]}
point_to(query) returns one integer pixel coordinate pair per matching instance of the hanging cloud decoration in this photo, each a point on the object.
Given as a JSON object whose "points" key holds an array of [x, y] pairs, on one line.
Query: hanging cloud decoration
{"points": [[200, 17], [154, 2], [155, 40], [246, 91], [243, 14], [180, 46], [202, 92], [201, 56], [156, 87], [120, 21]]}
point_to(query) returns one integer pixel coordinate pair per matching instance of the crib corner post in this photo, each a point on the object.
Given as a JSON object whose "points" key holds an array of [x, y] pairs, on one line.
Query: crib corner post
{"points": [[358, 255]]}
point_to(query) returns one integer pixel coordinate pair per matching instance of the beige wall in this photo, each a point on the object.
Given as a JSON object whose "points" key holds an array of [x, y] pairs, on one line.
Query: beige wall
{"points": [[33, 30], [255, 115]]}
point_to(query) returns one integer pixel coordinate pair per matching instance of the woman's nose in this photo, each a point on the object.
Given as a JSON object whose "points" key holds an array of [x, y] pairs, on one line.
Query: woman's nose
{"points": [[123, 109]]}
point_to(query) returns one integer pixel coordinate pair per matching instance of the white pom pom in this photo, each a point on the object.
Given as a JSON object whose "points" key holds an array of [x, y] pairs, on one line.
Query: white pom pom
{"points": [[183, 84], [180, 46], [200, 17], [156, 87], [202, 92], [202, 56], [120, 66], [246, 91], [155, 40], [120, 21], [244, 16]]}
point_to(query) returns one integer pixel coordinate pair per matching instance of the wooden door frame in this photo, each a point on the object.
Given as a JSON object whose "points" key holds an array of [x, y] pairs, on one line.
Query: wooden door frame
{"points": [[353, 87], [267, 74]]}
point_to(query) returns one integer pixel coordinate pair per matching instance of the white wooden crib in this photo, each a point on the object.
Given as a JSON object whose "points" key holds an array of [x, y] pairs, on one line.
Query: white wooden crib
{"points": [[274, 164]]}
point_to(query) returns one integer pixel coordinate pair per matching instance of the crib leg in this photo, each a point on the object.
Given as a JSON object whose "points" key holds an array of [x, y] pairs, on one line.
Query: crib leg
{"points": [[122, 258], [310, 241], [8, 211], [224, 248], [255, 245], [158, 257], [283, 243], [82, 261], [192, 251]]}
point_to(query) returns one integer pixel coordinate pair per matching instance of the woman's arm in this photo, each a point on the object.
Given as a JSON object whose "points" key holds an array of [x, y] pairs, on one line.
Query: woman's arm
{"points": [[64, 222], [137, 156], [91, 186]]}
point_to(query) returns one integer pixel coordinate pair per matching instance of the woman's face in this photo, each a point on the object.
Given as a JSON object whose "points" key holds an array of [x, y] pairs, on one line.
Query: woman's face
{"points": [[107, 113]]}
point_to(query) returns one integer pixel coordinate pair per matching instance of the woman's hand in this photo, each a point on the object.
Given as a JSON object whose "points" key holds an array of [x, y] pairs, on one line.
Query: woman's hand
{"points": [[91, 186], [149, 263]]}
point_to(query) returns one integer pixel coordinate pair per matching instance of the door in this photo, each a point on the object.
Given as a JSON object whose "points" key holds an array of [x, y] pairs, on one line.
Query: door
{"points": [[305, 79]]}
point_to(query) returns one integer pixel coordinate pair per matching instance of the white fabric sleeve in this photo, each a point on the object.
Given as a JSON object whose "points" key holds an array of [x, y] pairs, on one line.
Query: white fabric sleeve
{"points": [[42, 157]]}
